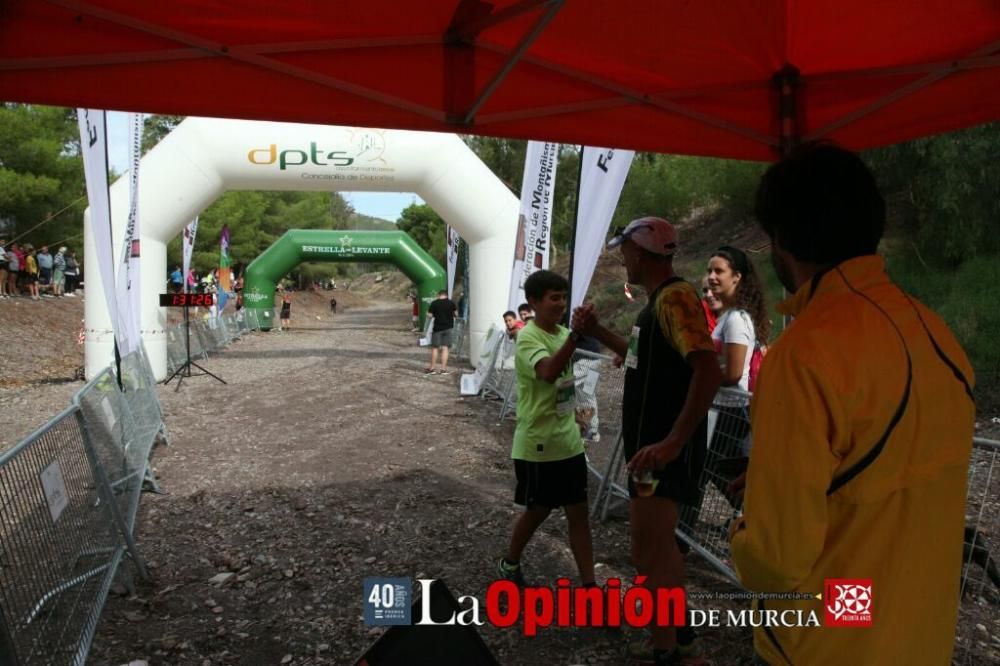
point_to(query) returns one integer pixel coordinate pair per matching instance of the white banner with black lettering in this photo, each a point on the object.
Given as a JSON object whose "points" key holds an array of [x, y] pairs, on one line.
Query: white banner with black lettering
{"points": [[452, 259], [94, 149], [128, 282], [601, 181], [531, 250], [187, 249]]}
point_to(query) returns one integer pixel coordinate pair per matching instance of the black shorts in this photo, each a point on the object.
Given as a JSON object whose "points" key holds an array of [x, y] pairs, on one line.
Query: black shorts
{"points": [[551, 484]]}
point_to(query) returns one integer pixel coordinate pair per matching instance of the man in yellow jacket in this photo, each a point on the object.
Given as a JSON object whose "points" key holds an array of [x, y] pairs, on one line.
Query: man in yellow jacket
{"points": [[862, 428]]}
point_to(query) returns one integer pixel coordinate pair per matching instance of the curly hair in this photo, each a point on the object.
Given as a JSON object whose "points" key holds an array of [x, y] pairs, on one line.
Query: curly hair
{"points": [[749, 291]]}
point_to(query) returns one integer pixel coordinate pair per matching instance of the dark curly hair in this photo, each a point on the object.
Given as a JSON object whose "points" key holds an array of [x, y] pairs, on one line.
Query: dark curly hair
{"points": [[750, 290]]}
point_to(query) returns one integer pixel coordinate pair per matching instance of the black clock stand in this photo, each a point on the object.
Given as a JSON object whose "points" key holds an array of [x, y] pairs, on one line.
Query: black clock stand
{"points": [[185, 369]]}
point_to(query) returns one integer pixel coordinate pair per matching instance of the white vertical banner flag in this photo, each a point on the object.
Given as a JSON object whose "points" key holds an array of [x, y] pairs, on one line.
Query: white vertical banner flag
{"points": [[94, 149], [601, 181], [531, 250], [187, 246], [453, 241], [128, 279]]}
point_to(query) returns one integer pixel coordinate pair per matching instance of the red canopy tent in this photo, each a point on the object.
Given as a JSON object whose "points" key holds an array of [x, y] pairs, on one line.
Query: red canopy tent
{"points": [[673, 76]]}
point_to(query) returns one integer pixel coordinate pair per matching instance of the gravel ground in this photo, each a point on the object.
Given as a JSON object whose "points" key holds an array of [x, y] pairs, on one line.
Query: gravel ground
{"points": [[329, 456]]}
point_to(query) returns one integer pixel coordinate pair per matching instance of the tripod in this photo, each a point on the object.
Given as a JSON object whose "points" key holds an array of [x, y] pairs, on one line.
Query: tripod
{"points": [[185, 369]]}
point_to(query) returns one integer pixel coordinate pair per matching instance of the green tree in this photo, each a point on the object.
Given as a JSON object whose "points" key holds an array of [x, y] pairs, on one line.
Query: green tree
{"points": [[426, 228], [42, 191], [156, 128]]}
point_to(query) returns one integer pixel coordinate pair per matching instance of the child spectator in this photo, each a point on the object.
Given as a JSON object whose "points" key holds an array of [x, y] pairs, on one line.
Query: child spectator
{"points": [[549, 462], [513, 324], [525, 312]]}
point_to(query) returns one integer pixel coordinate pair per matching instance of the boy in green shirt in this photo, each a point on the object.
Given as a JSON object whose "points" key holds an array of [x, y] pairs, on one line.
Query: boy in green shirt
{"points": [[548, 453]]}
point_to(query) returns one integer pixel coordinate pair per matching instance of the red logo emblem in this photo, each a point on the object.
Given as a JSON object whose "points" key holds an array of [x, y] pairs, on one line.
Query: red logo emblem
{"points": [[848, 602]]}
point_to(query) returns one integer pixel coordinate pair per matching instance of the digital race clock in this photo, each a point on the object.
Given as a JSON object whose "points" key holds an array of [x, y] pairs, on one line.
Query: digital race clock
{"points": [[186, 300]]}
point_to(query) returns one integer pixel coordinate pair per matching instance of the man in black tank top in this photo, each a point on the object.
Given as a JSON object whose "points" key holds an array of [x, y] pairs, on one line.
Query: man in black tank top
{"points": [[671, 377]]}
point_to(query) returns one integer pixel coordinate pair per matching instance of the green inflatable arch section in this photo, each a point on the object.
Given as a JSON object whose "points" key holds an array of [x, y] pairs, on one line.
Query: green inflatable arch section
{"points": [[299, 245]]}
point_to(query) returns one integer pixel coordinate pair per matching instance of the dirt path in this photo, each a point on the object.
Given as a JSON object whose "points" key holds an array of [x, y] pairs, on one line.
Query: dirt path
{"points": [[329, 457]]}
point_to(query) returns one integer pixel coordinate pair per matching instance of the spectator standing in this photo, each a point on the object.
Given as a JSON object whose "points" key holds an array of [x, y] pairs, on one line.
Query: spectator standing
{"points": [[862, 424], [414, 313], [31, 272], [444, 311], [670, 380], [59, 272], [741, 328], [286, 311], [13, 269], [743, 324], [177, 280], [711, 304], [524, 311], [44, 260], [512, 323], [3, 268], [72, 273], [549, 461], [333, 305]]}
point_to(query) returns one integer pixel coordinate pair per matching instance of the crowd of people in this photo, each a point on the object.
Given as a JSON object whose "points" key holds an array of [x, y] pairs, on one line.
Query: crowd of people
{"points": [[35, 274], [860, 425]]}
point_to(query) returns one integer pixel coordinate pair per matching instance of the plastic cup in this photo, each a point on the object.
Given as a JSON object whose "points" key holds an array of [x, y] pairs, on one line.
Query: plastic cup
{"points": [[645, 483]]}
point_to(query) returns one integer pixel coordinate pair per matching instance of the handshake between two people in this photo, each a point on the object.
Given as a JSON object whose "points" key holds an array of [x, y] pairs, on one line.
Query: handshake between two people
{"points": [[584, 320]]}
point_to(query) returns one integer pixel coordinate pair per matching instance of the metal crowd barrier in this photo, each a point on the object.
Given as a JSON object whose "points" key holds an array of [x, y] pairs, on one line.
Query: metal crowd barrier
{"points": [[62, 538], [212, 334], [459, 350], [705, 528], [980, 586], [501, 355]]}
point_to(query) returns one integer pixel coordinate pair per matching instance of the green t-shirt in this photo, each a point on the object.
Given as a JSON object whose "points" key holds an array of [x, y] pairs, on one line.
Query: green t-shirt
{"points": [[546, 424]]}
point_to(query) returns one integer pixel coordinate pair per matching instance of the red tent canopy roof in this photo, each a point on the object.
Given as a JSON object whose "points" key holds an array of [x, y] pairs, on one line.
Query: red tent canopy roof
{"points": [[663, 75]]}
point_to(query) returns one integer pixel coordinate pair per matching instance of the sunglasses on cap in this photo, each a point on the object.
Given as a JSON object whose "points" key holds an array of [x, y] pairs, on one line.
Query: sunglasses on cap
{"points": [[619, 234]]}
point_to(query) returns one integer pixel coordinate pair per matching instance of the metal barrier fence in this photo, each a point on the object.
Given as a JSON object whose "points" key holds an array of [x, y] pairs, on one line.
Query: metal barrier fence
{"points": [[977, 636], [459, 342], [61, 538], [213, 334], [501, 355], [706, 527], [69, 496], [120, 438]]}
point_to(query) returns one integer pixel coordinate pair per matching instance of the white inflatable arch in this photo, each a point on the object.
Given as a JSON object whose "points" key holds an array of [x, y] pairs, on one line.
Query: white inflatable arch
{"points": [[203, 158]]}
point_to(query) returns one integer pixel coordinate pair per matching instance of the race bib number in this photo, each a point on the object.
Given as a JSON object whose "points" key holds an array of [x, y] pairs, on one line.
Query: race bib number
{"points": [[566, 395], [632, 358]]}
